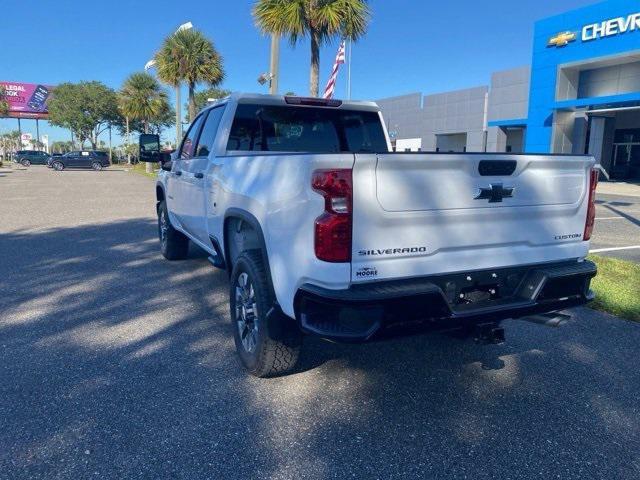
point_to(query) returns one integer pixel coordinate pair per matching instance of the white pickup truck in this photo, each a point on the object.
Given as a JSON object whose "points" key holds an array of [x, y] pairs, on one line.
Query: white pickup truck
{"points": [[325, 231]]}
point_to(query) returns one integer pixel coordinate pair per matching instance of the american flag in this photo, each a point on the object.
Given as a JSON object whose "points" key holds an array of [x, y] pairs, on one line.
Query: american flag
{"points": [[331, 84]]}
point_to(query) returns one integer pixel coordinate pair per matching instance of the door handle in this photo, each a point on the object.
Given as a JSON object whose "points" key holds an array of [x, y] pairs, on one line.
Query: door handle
{"points": [[177, 173], [199, 175]]}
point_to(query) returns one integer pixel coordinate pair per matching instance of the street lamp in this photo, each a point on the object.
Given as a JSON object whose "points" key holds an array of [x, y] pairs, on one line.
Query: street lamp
{"points": [[266, 77]]}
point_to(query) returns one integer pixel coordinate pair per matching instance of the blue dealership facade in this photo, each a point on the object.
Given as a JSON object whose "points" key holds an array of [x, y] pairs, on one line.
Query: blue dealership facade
{"points": [[581, 94]]}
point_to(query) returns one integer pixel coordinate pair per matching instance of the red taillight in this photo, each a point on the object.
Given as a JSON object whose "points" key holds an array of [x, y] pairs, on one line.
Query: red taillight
{"points": [[333, 227], [591, 212]]}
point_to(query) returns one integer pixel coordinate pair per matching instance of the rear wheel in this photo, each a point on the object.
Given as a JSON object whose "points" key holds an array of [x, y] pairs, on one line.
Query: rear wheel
{"points": [[267, 345], [96, 166], [174, 245], [59, 166], [26, 163]]}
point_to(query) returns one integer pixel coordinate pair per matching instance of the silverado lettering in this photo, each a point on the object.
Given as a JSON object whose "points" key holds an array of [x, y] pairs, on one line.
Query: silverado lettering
{"points": [[392, 251]]}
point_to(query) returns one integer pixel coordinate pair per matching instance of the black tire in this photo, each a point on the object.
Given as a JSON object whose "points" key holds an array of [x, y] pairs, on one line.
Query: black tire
{"points": [[25, 163], [96, 166], [266, 350], [174, 245], [57, 166]]}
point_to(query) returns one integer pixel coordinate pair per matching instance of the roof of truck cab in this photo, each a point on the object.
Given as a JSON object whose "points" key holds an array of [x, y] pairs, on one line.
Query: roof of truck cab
{"points": [[239, 98]]}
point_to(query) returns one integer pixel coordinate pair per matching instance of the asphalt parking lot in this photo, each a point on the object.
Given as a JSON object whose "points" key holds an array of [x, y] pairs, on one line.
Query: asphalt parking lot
{"points": [[117, 364], [617, 230]]}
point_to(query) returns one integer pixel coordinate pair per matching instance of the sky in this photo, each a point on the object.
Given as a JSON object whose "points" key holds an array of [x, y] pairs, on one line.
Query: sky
{"points": [[411, 45]]}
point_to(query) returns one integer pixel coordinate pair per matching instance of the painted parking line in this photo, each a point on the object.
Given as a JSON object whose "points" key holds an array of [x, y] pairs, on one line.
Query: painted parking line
{"points": [[610, 218], [615, 249]]}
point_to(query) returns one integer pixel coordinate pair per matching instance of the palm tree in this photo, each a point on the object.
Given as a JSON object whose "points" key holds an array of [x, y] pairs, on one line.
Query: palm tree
{"points": [[141, 98], [4, 105], [188, 56], [320, 20], [202, 97], [9, 142]]}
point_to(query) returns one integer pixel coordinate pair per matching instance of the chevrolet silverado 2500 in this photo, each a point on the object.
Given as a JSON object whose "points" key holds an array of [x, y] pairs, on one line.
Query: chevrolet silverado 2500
{"points": [[324, 231]]}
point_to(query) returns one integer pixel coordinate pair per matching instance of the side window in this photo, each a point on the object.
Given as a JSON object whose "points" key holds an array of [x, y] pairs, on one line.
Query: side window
{"points": [[209, 130], [245, 130], [187, 150]]}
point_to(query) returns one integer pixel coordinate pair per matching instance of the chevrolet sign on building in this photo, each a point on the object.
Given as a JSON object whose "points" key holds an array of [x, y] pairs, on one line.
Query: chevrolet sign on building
{"points": [[609, 28], [581, 94]]}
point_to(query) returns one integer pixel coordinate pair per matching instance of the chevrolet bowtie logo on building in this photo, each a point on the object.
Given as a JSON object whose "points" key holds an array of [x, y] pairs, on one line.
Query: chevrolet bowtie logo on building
{"points": [[562, 39]]}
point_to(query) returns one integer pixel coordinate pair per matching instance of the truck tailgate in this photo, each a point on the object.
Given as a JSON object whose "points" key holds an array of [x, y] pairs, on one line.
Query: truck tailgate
{"points": [[424, 214]]}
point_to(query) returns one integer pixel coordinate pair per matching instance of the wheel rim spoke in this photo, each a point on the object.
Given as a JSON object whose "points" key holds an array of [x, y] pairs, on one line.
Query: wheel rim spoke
{"points": [[246, 312]]}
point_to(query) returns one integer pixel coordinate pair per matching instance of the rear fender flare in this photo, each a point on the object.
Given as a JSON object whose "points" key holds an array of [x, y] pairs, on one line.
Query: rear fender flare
{"points": [[255, 225]]}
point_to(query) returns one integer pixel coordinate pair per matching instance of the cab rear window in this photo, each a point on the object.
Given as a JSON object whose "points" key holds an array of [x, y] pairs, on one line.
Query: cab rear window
{"points": [[268, 128]]}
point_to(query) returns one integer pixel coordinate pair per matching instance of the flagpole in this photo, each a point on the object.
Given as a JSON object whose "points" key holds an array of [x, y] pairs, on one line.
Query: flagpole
{"points": [[349, 72]]}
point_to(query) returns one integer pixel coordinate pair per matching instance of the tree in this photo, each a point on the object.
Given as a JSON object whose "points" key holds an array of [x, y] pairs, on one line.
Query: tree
{"points": [[164, 119], [201, 98], [4, 105], [85, 108], [60, 146], [188, 56], [142, 99], [9, 142], [37, 144], [320, 20]]}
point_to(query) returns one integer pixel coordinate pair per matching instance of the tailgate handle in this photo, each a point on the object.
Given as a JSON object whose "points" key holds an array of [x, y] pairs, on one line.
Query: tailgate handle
{"points": [[497, 168]]}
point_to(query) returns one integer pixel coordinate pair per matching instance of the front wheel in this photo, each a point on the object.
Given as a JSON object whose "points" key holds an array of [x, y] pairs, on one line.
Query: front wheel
{"points": [[174, 245], [25, 163], [58, 166], [267, 345], [96, 166]]}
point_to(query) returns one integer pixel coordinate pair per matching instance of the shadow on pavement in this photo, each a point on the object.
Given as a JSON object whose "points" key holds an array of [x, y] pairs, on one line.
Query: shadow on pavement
{"points": [[116, 363]]}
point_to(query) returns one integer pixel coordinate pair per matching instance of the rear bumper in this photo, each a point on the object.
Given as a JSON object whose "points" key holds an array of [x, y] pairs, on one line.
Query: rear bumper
{"points": [[442, 302]]}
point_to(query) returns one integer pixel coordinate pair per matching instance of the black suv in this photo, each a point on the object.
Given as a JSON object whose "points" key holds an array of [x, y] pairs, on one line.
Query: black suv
{"points": [[31, 157], [81, 159]]}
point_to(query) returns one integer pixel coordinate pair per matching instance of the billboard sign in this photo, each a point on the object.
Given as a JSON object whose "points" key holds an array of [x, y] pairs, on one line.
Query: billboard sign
{"points": [[28, 100]]}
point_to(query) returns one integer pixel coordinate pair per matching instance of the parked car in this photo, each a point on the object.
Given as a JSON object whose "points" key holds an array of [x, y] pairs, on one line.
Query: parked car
{"points": [[31, 157], [53, 157], [94, 159], [324, 231]]}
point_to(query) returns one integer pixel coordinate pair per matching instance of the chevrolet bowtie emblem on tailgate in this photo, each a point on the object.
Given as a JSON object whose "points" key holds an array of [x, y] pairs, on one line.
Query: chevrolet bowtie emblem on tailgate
{"points": [[562, 39], [495, 193]]}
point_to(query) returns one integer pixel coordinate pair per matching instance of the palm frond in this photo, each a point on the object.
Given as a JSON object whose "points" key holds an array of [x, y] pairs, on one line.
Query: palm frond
{"points": [[189, 56], [283, 17]]}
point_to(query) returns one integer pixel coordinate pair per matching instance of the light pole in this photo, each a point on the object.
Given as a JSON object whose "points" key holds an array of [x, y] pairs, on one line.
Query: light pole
{"points": [[110, 147], [274, 66]]}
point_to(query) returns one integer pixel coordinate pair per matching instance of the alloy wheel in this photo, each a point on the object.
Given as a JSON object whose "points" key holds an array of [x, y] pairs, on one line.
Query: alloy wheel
{"points": [[246, 312], [164, 227]]}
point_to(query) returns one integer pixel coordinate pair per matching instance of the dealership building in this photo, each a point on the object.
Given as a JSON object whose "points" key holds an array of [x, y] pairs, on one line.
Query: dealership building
{"points": [[581, 94]]}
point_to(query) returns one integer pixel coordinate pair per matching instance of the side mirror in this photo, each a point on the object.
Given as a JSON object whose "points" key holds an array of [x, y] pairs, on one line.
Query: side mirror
{"points": [[149, 148], [165, 161]]}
